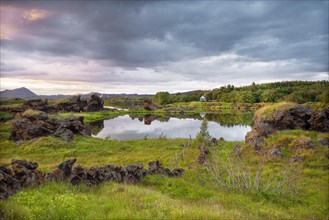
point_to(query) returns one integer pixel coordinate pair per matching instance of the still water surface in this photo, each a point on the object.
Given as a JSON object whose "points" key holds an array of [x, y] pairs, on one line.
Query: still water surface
{"points": [[152, 126]]}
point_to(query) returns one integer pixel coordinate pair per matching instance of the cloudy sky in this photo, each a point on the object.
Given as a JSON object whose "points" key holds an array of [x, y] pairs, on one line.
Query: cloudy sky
{"points": [[70, 47]]}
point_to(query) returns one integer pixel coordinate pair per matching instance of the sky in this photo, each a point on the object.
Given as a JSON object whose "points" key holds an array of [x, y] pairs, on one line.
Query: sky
{"points": [[69, 47]]}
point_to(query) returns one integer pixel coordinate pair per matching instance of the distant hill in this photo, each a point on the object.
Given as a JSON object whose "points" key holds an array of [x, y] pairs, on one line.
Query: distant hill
{"points": [[25, 93], [22, 93]]}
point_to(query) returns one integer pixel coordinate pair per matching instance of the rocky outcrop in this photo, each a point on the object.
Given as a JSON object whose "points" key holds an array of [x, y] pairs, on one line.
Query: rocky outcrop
{"points": [[24, 174], [148, 105], [33, 124], [19, 175], [95, 175], [94, 104], [63, 171], [74, 104], [155, 167], [36, 104], [297, 117]]}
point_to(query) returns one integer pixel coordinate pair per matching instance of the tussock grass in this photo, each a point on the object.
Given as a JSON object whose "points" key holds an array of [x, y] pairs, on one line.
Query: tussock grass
{"points": [[31, 113], [268, 110]]}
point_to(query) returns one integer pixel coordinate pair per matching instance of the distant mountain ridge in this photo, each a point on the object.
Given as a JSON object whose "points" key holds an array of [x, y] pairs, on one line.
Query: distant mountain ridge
{"points": [[22, 93]]}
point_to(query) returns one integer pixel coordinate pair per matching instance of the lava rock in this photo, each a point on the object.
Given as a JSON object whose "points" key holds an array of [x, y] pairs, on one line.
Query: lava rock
{"points": [[148, 105], [298, 117]]}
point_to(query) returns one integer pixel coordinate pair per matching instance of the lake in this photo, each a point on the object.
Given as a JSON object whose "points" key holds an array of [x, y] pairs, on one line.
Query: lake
{"points": [[232, 127]]}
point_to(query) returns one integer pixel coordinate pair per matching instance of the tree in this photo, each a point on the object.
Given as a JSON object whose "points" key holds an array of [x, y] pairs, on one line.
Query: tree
{"points": [[253, 87], [203, 137], [162, 98]]}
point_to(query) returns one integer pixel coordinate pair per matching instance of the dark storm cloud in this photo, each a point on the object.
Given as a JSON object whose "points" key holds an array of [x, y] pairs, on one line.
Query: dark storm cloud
{"points": [[157, 45], [150, 33]]}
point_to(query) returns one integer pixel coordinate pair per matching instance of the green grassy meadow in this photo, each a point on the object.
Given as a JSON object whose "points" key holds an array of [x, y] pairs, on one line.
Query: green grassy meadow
{"points": [[194, 195]]}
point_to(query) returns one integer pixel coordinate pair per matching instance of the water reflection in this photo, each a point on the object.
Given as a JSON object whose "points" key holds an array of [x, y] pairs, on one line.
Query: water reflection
{"points": [[232, 128]]}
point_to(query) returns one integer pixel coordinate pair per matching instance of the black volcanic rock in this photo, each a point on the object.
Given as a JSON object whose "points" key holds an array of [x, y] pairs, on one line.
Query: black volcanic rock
{"points": [[297, 117], [33, 124]]}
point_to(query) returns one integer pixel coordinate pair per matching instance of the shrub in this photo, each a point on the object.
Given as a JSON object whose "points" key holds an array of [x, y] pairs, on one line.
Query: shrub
{"points": [[234, 173], [203, 137]]}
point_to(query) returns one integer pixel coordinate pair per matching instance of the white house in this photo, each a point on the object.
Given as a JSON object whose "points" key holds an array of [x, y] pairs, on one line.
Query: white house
{"points": [[203, 98]]}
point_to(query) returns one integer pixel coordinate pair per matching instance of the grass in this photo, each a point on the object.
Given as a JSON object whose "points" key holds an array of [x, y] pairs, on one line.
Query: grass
{"points": [[89, 116], [11, 103], [194, 195], [267, 111], [214, 106]]}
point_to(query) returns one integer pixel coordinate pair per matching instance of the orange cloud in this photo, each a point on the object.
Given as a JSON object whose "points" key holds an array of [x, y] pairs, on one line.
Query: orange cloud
{"points": [[11, 19], [35, 14], [7, 32]]}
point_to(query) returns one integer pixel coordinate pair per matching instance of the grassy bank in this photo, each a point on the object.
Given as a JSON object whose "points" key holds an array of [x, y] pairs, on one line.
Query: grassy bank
{"points": [[195, 195]]}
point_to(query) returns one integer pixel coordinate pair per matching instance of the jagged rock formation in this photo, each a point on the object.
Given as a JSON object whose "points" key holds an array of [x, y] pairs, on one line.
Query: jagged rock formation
{"points": [[75, 104], [19, 175], [33, 124], [40, 105], [297, 117], [24, 174], [155, 167], [148, 105]]}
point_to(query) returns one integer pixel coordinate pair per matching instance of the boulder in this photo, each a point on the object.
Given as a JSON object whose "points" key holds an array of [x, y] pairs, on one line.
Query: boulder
{"points": [[73, 124], [64, 133], [297, 117], [25, 129], [63, 172], [33, 124], [18, 175], [36, 104], [155, 167], [319, 120], [94, 104], [148, 105], [24, 163]]}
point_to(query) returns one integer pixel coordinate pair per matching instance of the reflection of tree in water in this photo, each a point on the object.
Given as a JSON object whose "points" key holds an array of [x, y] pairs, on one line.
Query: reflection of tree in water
{"points": [[224, 119], [230, 120]]}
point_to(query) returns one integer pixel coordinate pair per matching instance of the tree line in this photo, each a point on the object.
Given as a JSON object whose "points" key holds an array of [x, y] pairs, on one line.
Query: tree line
{"points": [[295, 91]]}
